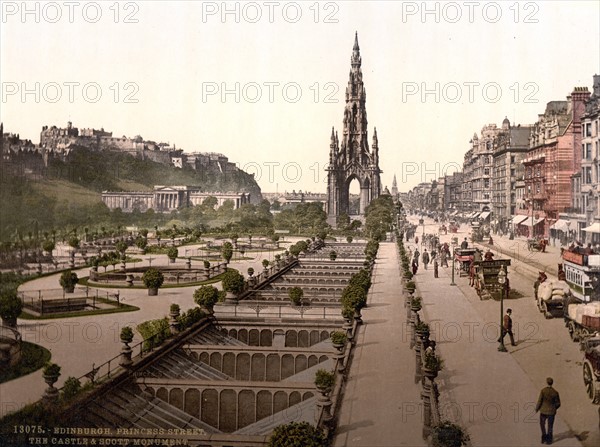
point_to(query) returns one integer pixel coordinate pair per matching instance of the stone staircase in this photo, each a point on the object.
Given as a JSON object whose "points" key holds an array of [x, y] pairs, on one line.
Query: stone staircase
{"points": [[212, 336], [130, 407]]}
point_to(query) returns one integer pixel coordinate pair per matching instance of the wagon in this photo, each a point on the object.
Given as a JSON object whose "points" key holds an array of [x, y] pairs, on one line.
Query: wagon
{"points": [[536, 244], [591, 368], [486, 278], [462, 260]]}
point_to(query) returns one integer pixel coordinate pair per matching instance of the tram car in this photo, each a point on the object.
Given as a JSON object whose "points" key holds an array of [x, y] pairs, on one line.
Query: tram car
{"points": [[582, 307]]}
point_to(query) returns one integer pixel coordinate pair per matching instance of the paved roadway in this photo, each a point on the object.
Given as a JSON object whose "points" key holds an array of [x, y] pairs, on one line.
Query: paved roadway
{"points": [[492, 392]]}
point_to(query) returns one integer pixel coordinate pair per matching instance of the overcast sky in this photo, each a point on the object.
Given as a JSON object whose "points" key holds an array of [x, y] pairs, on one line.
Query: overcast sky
{"points": [[263, 82]]}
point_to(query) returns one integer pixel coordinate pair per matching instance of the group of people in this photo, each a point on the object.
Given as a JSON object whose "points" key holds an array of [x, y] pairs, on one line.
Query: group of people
{"points": [[437, 258]]}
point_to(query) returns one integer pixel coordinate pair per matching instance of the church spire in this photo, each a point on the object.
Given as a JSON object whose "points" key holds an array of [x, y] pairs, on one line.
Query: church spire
{"points": [[356, 59]]}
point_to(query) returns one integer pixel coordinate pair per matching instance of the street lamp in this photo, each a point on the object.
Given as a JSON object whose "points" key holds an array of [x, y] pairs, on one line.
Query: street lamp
{"points": [[502, 281], [454, 243]]}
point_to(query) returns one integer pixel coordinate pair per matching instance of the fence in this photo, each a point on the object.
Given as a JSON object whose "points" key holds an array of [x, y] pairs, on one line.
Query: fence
{"points": [[50, 301]]}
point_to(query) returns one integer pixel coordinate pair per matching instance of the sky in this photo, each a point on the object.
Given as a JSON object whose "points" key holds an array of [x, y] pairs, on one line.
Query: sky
{"points": [[264, 82]]}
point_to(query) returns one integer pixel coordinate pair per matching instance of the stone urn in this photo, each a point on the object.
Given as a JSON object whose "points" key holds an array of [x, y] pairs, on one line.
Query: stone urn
{"points": [[51, 374], [126, 338]]}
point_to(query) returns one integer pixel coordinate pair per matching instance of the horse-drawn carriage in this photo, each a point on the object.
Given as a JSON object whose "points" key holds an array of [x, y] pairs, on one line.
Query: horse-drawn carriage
{"points": [[462, 260], [486, 278], [537, 244], [591, 367]]}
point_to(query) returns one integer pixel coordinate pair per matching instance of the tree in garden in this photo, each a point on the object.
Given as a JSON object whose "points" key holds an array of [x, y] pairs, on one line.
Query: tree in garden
{"points": [[296, 294], [227, 251], [10, 306], [206, 296]]}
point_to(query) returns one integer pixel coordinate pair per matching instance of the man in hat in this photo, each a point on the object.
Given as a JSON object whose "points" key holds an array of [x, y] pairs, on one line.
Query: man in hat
{"points": [[547, 404], [507, 328]]}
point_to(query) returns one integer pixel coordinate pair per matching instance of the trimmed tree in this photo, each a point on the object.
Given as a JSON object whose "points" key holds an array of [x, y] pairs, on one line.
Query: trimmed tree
{"points": [[296, 294], [227, 251], [172, 253], [68, 280], [153, 279], [233, 282], [206, 297]]}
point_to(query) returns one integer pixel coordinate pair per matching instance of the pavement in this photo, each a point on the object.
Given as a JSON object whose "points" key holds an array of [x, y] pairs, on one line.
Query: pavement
{"points": [[493, 394], [381, 403]]}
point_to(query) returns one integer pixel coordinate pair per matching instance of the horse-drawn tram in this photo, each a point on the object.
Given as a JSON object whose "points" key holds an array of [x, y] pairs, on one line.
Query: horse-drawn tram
{"points": [[582, 274]]}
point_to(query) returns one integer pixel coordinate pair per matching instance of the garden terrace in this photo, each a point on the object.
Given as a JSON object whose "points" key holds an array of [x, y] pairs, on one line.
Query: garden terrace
{"points": [[235, 382]]}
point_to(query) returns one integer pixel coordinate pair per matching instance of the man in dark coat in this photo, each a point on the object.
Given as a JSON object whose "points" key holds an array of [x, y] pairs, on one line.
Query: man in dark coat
{"points": [[507, 328], [547, 404]]}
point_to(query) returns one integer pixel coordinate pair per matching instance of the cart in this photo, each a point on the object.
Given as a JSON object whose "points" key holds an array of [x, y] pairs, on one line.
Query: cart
{"points": [[591, 367], [486, 278], [550, 298], [536, 244], [462, 260]]}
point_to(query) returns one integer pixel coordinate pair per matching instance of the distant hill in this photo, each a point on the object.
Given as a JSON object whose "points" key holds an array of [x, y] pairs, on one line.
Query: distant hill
{"points": [[117, 171], [68, 190]]}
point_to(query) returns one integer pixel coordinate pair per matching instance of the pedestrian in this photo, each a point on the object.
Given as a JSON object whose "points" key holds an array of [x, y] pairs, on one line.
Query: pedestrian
{"points": [[464, 244], [415, 265], [425, 258], [416, 239], [547, 404], [444, 258], [507, 328], [435, 268]]}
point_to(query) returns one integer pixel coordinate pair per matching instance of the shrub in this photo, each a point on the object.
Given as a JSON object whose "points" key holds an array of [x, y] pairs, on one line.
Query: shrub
{"points": [[324, 379], [68, 279], [172, 252], [174, 308], [296, 294], [347, 312], [206, 264], [153, 278], [349, 239], [265, 263], [154, 332], [127, 334], [71, 388], [74, 242], [338, 338], [415, 301], [10, 305], [422, 327], [51, 369], [354, 297], [433, 362], [233, 281], [333, 255], [206, 296], [296, 434], [410, 285], [190, 317], [250, 271]]}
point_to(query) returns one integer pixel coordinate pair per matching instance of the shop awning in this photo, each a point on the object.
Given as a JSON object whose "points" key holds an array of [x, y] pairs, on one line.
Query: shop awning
{"points": [[560, 225], [474, 216], [527, 222], [484, 215], [593, 228], [518, 219]]}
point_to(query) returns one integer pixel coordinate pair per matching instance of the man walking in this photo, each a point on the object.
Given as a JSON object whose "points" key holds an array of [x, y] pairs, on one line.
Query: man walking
{"points": [[435, 268], [507, 328], [425, 258], [547, 404]]}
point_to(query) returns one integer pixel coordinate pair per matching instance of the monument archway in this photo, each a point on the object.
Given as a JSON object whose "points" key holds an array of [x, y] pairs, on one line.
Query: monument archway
{"points": [[352, 159]]}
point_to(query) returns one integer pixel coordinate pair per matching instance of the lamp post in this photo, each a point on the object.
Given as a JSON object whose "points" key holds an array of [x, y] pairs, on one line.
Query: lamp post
{"points": [[502, 281]]}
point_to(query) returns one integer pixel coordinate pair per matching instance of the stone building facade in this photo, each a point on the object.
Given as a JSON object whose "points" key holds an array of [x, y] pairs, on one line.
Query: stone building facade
{"points": [[553, 157], [164, 199]]}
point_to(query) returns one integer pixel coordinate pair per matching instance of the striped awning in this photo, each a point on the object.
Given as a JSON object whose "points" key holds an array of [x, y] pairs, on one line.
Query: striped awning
{"points": [[527, 222], [518, 219], [484, 215]]}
